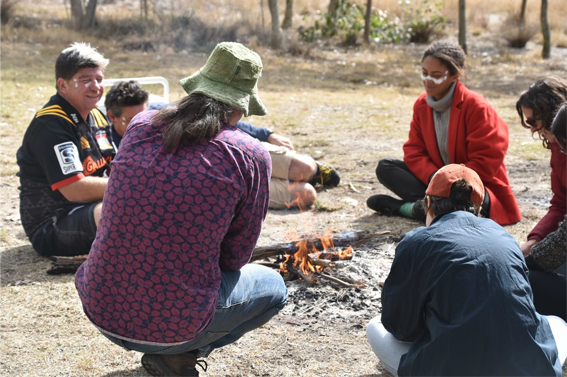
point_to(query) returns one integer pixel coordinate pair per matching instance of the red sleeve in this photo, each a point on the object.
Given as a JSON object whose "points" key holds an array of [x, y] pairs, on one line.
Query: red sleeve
{"points": [[558, 208], [487, 140], [416, 155]]}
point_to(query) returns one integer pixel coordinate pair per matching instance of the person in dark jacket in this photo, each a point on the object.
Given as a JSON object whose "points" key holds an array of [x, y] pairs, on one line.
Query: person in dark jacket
{"points": [[457, 300]]}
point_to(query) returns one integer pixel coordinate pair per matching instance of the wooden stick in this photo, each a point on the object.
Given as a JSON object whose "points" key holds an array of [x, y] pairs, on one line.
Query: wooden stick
{"points": [[322, 262], [341, 282], [311, 279]]}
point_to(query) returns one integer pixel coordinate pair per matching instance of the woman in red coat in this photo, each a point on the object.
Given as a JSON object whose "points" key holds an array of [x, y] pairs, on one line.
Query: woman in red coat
{"points": [[538, 105], [451, 125]]}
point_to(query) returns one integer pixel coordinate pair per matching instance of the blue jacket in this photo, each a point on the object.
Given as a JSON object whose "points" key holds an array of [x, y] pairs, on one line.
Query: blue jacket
{"points": [[459, 291]]}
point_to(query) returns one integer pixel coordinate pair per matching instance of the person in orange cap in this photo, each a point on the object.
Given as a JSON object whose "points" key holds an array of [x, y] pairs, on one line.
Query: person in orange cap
{"points": [[457, 300]]}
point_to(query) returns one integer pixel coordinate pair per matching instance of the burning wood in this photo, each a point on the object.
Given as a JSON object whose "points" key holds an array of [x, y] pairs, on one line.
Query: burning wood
{"points": [[340, 240]]}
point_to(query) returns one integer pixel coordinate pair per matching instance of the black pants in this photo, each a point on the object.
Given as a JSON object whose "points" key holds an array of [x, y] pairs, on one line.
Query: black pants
{"points": [[550, 293], [396, 177]]}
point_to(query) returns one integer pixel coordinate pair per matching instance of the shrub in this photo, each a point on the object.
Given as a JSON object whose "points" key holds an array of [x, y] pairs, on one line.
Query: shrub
{"points": [[422, 18], [516, 34], [348, 25]]}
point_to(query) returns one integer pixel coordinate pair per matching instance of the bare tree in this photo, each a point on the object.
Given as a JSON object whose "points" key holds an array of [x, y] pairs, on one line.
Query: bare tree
{"points": [[83, 18], [276, 30], [463, 25], [288, 17], [523, 16], [367, 21], [144, 9], [545, 31], [332, 13]]}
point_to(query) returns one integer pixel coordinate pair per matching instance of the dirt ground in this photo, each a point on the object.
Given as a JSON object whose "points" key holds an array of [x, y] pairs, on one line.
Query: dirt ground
{"points": [[347, 107]]}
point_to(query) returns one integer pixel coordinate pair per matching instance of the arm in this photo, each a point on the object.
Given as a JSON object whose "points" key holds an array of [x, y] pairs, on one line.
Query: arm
{"points": [[487, 140], [281, 141], [416, 155], [85, 190], [558, 203], [259, 133], [403, 297], [244, 231]]}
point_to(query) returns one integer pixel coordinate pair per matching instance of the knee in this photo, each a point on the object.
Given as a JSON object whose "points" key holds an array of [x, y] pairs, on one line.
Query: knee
{"points": [[383, 167], [307, 195], [302, 168]]}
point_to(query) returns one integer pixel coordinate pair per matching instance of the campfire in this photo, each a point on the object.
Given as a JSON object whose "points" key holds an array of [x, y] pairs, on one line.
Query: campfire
{"points": [[312, 257]]}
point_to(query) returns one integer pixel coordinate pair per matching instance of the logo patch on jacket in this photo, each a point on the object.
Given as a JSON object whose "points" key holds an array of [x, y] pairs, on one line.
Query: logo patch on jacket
{"points": [[68, 157]]}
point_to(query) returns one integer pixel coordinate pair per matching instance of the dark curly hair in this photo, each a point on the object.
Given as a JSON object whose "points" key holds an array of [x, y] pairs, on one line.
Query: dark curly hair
{"points": [[197, 117], [544, 98], [450, 54], [124, 94], [559, 127]]}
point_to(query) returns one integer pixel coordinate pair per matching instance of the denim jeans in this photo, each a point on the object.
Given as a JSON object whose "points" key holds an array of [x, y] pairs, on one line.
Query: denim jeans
{"points": [[69, 233], [247, 300]]}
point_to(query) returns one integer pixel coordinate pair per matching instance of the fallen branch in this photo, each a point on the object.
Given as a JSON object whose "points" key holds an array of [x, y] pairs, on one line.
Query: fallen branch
{"points": [[339, 240], [63, 264], [341, 281]]}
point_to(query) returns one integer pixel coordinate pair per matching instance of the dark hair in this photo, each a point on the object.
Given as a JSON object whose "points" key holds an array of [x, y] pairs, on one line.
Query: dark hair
{"points": [[450, 54], [75, 57], [197, 117], [124, 94], [459, 200], [544, 97], [559, 126]]}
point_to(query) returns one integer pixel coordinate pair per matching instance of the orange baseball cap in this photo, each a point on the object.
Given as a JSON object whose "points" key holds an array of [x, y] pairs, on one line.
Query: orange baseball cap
{"points": [[444, 178]]}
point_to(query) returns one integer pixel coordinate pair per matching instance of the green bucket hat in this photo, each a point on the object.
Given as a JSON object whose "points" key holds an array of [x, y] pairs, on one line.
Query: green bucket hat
{"points": [[230, 76]]}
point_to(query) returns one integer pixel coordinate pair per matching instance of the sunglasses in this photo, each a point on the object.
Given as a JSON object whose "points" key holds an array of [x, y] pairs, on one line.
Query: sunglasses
{"points": [[532, 122]]}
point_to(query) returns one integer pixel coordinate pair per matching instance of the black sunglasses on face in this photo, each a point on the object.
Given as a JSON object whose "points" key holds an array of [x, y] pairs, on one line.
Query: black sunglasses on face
{"points": [[532, 122]]}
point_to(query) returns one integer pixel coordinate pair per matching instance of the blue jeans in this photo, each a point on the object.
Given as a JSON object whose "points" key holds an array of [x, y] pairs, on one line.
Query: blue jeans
{"points": [[68, 233], [248, 299]]}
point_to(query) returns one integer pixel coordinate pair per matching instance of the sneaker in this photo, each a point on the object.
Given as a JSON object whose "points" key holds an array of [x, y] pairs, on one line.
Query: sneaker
{"points": [[173, 365], [385, 205], [325, 176]]}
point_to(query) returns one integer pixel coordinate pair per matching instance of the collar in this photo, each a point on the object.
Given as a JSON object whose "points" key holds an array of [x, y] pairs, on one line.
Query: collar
{"points": [[69, 109], [444, 103]]}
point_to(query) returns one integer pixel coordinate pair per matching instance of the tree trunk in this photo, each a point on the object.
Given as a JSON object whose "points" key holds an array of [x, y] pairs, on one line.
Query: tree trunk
{"points": [[523, 16], [89, 18], [367, 21], [276, 30], [77, 13], [545, 31], [288, 18], [462, 25], [332, 9]]}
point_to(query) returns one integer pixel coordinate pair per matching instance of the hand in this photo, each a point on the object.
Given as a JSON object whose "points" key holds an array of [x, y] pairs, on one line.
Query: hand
{"points": [[527, 247], [280, 140]]}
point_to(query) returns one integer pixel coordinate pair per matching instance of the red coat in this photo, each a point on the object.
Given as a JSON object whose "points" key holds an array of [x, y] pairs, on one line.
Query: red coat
{"points": [[478, 138], [558, 202]]}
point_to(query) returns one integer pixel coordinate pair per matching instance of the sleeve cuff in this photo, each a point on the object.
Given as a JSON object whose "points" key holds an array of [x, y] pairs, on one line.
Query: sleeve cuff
{"points": [[56, 186]]}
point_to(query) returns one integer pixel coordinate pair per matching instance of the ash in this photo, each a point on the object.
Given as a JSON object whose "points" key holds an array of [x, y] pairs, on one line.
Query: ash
{"points": [[327, 300]]}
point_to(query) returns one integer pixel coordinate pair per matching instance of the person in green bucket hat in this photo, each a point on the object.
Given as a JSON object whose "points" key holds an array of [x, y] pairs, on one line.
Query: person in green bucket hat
{"points": [[168, 273]]}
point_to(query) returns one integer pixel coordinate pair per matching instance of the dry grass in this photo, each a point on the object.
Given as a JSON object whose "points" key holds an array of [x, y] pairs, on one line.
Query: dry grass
{"points": [[351, 106]]}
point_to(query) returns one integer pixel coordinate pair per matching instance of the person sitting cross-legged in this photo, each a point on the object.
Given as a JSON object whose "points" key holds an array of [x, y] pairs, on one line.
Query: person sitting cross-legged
{"points": [[457, 300], [294, 178]]}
